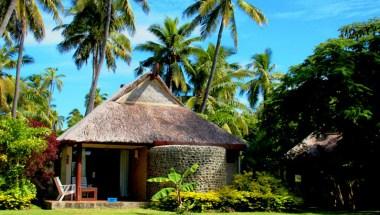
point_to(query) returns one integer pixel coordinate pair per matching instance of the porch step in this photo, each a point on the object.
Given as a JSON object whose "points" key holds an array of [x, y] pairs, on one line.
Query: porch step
{"points": [[93, 204]]}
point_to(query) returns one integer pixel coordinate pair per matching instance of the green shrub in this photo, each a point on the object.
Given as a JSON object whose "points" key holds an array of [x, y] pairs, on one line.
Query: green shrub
{"points": [[266, 192], [261, 183], [19, 196], [262, 193], [18, 142]]}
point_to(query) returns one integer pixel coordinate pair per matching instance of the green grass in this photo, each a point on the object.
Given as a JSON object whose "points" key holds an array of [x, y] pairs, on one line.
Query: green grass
{"points": [[139, 211]]}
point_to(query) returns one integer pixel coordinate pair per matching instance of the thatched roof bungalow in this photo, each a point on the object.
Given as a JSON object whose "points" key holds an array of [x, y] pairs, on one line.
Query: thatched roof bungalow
{"points": [[139, 132]]}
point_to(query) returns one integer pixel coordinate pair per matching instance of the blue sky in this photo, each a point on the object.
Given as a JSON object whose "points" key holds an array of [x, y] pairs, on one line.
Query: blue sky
{"points": [[295, 27]]}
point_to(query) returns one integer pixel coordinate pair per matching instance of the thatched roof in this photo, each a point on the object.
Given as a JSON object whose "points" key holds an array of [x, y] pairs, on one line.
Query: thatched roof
{"points": [[315, 144], [145, 112]]}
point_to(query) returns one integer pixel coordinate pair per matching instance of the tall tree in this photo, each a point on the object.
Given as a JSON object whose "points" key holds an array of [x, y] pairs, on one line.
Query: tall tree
{"points": [[225, 85], [10, 5], [52, 80], [210, 14], [28, 17], [261, 76], [74, 117], [99, 98], [34, 100], [171, 52], [336, 89], [7, 60], [97, 33]]}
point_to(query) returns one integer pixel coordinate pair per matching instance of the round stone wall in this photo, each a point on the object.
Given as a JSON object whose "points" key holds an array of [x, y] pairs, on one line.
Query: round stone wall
{"points": [[211, 173]]}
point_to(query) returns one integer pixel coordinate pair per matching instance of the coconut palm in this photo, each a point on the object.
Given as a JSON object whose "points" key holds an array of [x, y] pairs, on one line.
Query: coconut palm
{"points": [[10, 7], [210, 14], [94, 32], [74, 117], [27, 16], [226, 78], [171, 52], [261, 78], [34, 102], [227, 117], [7, 60], [52, 80], [99, 98]]}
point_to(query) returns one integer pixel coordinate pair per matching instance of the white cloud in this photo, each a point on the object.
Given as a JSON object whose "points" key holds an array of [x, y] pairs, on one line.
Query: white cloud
{"points": [[316, 10], [142, 35], [51, 38]]}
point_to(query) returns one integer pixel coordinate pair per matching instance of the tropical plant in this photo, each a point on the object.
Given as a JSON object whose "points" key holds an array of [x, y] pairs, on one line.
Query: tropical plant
{"points": [[27, 16], [99, 98], [209, 13], [336, 89], [74, 117], [34, 100], [40, 167], [10, 5], [34, 103], [51, 80], [261, 77], [177, 182], [18, 142], [97, 33], [170, 53], [6, 93], [231, 119], [7, 60], [226, 82]]}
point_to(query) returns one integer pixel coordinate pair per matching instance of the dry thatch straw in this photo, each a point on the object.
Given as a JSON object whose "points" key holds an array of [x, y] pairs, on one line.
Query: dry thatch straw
{"points": [[314, 144], [145, 112]]}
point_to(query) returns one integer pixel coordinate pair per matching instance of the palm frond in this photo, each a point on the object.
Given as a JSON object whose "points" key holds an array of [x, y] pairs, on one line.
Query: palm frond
{"points": [[253, 12]]}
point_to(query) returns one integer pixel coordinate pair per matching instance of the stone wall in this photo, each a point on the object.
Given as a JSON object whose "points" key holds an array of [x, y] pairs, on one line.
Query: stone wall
{"points": [[211, 174]]}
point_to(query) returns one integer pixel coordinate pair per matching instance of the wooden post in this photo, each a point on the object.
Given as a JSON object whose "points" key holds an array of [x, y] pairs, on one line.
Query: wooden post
{"points": [[78, 195]]}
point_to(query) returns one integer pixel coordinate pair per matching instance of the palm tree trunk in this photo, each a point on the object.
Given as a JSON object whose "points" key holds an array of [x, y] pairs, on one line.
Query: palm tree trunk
{"points": [[94, 78], [18, 70], [213, 68], [7, 16], [94, 83], [92, 94], [51, 90]]}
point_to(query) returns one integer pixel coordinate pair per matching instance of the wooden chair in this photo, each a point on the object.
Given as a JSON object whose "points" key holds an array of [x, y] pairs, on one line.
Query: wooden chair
{"points": [[88, 192], [64, 190]]}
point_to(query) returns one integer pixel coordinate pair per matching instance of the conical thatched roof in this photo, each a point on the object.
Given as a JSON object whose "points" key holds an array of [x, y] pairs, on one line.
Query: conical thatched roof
{"points": [[145, 112], [315, 144]]}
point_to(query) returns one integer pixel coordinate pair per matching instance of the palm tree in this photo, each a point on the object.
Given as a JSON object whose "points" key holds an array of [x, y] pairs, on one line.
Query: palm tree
{"points": [[34, 102], [99, 98], [51, 80], [209, 13], [10, 5], [74, 117], [171, 52], [91, 35], [226, 78], [261, 77], [58, 122], [7, 60], [28, 17], [227, 117]]}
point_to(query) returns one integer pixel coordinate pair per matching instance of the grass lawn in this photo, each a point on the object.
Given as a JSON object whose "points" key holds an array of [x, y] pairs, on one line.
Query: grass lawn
{"points": [[139, 211]]}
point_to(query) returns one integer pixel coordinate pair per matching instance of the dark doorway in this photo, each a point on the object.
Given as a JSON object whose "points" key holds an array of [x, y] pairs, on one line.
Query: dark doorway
{"points": [[103, 167]]}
